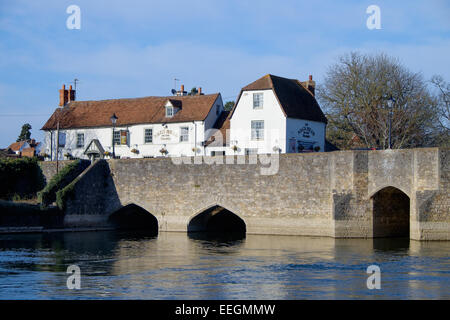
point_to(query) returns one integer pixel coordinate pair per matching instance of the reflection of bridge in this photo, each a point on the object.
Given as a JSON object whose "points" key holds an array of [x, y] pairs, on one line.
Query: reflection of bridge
{"points": [[337, 194]]}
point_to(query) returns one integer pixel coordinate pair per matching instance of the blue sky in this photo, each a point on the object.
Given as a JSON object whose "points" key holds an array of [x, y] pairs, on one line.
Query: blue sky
{"points": [[136, 48]]}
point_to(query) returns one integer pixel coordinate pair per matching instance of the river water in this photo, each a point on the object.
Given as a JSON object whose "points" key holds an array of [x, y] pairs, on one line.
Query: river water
{"points": [[127, 265]]}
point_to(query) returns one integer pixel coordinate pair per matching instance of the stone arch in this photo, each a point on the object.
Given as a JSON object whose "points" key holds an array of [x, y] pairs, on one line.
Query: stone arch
{"points": [[132, 216], [391, 215], [393, 186], [216, 219]]}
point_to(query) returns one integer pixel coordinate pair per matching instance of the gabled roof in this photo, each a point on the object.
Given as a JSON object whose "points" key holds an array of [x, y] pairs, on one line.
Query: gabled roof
{"points": [[16, 146], [83, 114], [94, 147], [175, 103], [295, 100]]}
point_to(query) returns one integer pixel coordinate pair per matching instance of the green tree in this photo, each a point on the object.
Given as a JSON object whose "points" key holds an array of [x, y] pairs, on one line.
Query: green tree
{"points": [[364, 95], [25, 133], [228, 105], [193, 92]]}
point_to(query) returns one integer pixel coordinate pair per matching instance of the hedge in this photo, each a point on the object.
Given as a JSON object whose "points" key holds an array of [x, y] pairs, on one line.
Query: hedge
{"points": [[20, 177]]}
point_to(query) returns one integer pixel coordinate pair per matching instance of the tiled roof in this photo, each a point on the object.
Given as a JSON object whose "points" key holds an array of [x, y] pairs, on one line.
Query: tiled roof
{"points": [[17, 145], [82, 114], [296, 101]]}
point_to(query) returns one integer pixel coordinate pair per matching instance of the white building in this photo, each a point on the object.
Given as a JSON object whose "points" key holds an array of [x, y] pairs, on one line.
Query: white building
{"points": [[145, 127], [271, 115]]}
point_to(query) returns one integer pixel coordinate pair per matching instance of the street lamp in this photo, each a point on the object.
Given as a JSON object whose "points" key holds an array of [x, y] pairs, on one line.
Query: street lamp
{"points": [[391, 102], [113, 121]]}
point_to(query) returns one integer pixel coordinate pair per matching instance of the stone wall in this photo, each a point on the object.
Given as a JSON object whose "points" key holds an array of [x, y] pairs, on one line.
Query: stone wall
{"points": [[318, 194], [49, 168]]}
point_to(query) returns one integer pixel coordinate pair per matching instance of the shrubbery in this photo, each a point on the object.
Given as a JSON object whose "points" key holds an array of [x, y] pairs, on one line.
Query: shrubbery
{"points": [[59, 181], [20, 177]]}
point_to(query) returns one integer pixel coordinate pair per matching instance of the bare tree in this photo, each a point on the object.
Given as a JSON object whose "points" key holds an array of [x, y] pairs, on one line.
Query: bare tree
{"points": [[368, 96], [442, 99]]}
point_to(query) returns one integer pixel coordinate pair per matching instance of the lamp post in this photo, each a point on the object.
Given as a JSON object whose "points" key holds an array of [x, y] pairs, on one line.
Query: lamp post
{"points": [[391, 102], [113, 121]]}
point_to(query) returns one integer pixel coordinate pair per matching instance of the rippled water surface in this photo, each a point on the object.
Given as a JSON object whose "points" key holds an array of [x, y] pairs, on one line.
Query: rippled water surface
{"points": [[119, 265]]}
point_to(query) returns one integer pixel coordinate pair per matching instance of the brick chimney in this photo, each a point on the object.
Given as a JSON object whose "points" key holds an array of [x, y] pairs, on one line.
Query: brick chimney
{"points": [[181, 92], [200, 91], [71, 94], [311, 85], [63, 96]]}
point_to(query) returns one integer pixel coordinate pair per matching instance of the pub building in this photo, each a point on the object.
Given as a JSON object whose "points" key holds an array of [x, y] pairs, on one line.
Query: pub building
{"points": [[271, 115]]}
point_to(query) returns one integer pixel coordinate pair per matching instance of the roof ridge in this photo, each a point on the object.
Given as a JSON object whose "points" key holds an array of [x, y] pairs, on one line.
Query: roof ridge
{"points": [[146, 97]]}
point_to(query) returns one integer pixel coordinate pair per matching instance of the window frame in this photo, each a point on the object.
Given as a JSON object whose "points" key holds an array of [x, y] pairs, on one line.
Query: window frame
{"points": [[255, 132], [259, 100], [184, 135], [116, 139], [78, 140], [145, 136], [172, 111]]}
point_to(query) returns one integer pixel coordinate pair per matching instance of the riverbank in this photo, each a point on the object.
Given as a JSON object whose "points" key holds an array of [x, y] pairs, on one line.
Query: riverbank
{"points": [[26, 217]]}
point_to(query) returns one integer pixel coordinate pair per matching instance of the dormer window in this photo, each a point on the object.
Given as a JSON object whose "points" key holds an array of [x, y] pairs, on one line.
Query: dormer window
{"points": [[172, 107], [169, 111]]}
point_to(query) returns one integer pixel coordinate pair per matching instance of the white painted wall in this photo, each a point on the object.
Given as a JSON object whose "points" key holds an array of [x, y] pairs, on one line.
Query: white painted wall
{"points": [[279, 131], [274, 124], [167, 136]]}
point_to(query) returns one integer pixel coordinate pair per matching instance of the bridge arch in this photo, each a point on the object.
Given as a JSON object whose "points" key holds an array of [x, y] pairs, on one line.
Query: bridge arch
{"points": [[384, 186], [391, 215], [216, 219], [132, 216]]}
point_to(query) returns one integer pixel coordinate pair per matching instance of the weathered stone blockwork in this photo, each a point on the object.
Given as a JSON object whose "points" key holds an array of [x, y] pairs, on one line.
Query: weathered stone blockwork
{"points": [[49, 168], [322, 194]]}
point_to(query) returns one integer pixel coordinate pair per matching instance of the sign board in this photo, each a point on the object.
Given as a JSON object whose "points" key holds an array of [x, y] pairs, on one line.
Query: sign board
{"points": [[166, 135], [306, 131], [123, 137]]}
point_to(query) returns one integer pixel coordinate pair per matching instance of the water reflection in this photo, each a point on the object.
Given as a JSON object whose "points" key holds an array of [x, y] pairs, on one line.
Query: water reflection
{"points": [[136, 265]]}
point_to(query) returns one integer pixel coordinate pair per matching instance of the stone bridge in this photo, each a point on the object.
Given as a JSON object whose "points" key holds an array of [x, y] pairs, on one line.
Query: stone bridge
{"points": [[341, 194]]}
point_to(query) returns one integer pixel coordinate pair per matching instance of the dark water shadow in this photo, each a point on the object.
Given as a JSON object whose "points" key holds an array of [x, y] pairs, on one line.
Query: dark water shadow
{"points": [[219, 237], [391, 244]]}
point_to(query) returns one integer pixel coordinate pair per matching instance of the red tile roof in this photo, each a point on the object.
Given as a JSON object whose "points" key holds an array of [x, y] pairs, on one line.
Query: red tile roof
{"points": [[295, 101], [17, 145], [83, 114]]}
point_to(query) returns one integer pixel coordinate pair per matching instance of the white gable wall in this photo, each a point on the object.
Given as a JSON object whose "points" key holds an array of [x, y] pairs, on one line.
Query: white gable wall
{"points": [[274, 124]]}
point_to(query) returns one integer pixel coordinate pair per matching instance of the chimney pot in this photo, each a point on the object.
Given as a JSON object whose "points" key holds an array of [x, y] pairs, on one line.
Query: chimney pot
{"points": [[182, 88], [199, 90], [310, 77], [63, 96], [70, 94]]}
